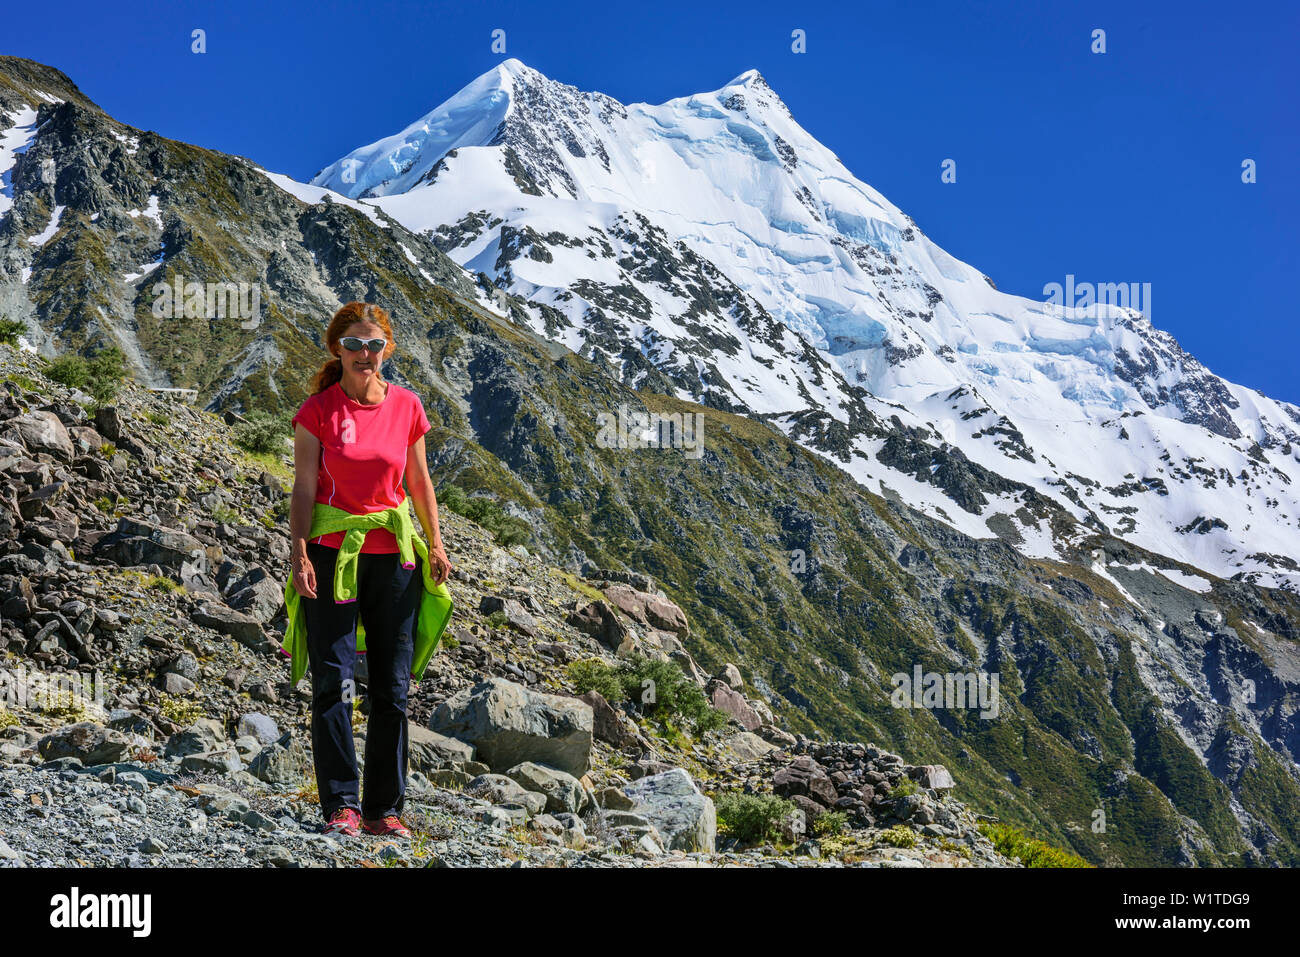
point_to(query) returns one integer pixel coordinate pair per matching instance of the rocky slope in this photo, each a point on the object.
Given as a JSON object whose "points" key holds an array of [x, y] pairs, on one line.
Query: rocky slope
{"points": [[151, 722], [1130, 684]]}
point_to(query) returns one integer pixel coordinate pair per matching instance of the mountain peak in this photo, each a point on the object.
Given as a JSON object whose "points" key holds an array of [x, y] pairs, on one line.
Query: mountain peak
{"points": [[513, 69], [750, 78]]}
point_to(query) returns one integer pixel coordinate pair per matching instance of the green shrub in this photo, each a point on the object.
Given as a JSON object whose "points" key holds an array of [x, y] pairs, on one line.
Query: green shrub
{"points": [[261, 432], [751, 818], [10, 330], [904, 787], [1013, 842], [900, 835], [107, 371], [70, 370], [666, 694], [101, 375], [660, 688], [592, 674], [505, 529], [831, 823], [180, 711]]}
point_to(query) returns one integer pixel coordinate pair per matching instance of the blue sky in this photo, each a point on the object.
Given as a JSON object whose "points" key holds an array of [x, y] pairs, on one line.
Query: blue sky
{"points": [[1115, 167]]}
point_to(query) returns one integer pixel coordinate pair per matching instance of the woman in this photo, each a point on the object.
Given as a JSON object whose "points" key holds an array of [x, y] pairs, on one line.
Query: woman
{"points": [[355, 438]]}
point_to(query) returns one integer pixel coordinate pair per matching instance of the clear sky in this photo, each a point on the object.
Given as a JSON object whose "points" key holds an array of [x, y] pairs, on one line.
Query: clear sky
{"points": [[1123, 166]]}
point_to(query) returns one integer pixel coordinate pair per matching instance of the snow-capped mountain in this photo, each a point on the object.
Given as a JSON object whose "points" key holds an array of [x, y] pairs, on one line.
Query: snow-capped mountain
{"points": [[712, 247]]}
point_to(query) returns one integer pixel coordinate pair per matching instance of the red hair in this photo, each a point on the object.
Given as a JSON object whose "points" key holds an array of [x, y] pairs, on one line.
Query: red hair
{"points": [[332, 371]]}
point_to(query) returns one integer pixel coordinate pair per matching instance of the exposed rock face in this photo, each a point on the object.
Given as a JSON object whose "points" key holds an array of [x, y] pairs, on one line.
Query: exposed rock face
{"points": [[507, 723]]}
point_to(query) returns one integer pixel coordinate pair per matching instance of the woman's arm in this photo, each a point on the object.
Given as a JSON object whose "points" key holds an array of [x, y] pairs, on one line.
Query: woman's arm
{"points": [[306, 472], [420, 487]]}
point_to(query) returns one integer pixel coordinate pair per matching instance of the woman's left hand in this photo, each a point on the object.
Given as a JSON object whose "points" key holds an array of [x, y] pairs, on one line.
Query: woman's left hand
{"points": [[439, 564]]}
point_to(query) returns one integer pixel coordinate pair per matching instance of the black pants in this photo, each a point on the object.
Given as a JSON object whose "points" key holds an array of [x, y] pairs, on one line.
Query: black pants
{"points": [[388, 598]]}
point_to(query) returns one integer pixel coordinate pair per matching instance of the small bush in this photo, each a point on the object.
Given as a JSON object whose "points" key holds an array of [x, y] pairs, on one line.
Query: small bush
{"points": [[180, 711], [262, 432], [64, 703], [101, 375], [751, 818], [1012, 842], [7, 719], [70, 370], [900, 835], [831, 823], [107, 370], [904, 787], [592, 674], [660, 688], [10, 330], [505, 529], [666, 694]]}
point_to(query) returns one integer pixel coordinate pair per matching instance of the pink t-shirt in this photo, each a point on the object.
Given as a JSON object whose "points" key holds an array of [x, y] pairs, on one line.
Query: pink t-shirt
{"points": [[363, 454]]}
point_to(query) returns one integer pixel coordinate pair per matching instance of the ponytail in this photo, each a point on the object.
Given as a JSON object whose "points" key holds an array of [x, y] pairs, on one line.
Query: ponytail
{"points": [[327, 375]]}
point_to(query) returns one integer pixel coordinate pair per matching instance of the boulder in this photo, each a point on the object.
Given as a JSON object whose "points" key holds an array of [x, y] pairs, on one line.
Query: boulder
{"points": [[258, 726], [500, 789], [684, 817], [804, 776], [733, 703], [245, 629], [258, 595], [90, 743], [515, 615], [508, 723], [222, 761], [205, 734], [607, 724], [934, 776], [598, 620], [43, 432], [747, 746], [430, 751], [730, 674], [563, 791], [646, 608], [281, 762], [138, 542]]}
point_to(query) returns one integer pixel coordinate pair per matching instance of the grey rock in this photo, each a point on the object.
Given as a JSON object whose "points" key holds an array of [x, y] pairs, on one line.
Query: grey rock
{"points": [[508, 723], [563, 791], [89, 743], [684, 817], [224, 761], [259, 726], [430, 751]]}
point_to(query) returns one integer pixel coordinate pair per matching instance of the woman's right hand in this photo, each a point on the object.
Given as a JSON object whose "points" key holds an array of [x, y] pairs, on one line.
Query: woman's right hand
{"points": [[304, 576]]}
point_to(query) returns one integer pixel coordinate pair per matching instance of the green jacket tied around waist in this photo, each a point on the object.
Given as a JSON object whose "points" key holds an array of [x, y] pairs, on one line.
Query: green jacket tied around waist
{"points": [[435, 601]]}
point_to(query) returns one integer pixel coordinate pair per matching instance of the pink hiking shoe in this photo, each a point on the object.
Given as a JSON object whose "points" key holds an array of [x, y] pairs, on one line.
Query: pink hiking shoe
{"points": [[344, 821], [390, 826]]}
